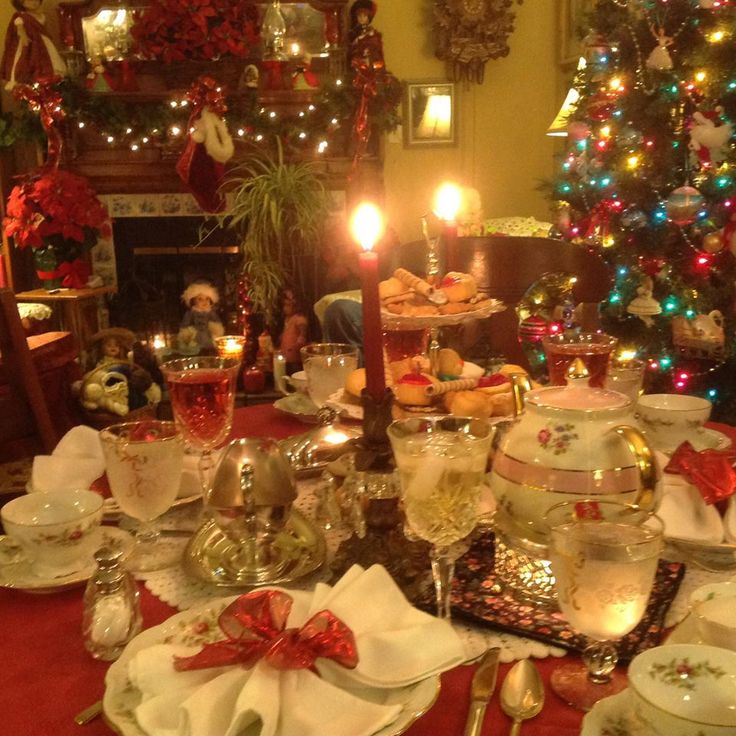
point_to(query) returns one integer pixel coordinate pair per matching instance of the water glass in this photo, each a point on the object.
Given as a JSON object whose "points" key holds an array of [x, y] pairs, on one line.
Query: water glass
{"points": [[327, 365], [626, 377], [593, 348], [442, 464]]}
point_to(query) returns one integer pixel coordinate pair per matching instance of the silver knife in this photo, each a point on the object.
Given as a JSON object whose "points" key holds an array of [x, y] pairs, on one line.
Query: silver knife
{"points": [[481, 690]]}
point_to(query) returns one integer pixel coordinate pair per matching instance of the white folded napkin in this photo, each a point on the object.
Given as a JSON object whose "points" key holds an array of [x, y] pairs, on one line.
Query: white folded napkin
{"points": [[76, 462], [397, 646], [684, 512], [729, 521]]}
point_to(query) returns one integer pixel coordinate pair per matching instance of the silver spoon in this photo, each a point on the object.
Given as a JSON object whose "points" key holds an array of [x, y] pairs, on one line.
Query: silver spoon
{"points": [[522, 694]]}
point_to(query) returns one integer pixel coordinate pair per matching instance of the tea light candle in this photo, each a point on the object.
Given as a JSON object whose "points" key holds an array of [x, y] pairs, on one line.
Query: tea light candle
{"points": [[160, 347], [447, 201], [366, 227], [230, 346]]}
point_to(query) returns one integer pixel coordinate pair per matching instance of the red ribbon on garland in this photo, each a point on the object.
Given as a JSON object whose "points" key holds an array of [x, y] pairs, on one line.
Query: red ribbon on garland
{"points": [[206, 92], [73, 274], [42, 97], [710, 471], [254, 625]]}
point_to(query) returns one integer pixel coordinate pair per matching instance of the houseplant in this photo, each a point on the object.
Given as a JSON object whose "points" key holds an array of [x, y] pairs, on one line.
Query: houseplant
{"points": [[58, 215], [279, 209]]}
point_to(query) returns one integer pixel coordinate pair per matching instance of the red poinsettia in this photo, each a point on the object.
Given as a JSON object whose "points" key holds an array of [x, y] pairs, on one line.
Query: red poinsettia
{"points": [[203, 30], [55, 206]]}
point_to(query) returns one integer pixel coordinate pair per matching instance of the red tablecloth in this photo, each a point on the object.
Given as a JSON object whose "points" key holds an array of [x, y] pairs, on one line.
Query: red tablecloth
{"points": [[46, 676]]}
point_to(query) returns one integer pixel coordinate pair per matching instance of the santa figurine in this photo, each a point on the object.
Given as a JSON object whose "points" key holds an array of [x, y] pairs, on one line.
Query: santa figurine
{"points": [[29, 53], [201, 323]]}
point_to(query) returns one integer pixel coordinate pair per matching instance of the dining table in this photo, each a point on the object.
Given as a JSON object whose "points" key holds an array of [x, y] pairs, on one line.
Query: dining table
{"points": [[47, 676]]}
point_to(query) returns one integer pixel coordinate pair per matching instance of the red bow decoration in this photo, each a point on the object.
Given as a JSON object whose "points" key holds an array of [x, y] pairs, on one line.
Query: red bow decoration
{"points": [[711, 471], [73, 274], [206, 92], [254, 625], [43, 97]]}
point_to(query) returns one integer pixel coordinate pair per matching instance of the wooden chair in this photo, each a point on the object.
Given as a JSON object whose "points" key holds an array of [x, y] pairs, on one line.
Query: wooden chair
{"points": [[505, 267], [26, 427]]}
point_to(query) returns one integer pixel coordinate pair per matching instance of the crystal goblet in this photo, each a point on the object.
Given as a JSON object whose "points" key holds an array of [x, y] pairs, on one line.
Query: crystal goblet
{"points": [[442, 463], [202, 393], [604, 558], [143, 461]]}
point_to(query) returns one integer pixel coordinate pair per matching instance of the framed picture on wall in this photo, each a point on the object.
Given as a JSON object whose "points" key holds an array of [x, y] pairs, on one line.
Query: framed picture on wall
{"points": [[430, 116], [571, 13]]}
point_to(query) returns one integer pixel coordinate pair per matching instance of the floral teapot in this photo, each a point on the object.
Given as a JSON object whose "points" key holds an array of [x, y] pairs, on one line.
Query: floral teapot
{"points": [[568, 443]]}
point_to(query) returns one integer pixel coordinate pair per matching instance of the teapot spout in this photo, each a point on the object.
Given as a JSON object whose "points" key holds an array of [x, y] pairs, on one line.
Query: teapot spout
{"points": [[520, 384]]}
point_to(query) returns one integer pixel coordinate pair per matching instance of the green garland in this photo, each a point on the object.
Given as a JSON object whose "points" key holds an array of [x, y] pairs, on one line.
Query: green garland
{"points": [[126, 121]]}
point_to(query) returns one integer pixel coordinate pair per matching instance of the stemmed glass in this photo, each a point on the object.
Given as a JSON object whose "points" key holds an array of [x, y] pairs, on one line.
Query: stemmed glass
{"points": [[327, 365], [604, 558], [143, 461], [442, 463], [202, 393]]}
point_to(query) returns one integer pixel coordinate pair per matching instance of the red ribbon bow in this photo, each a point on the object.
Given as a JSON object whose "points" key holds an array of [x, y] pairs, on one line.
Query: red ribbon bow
{"points": [[206, 92], [73, 274], [711, 471], [43, 97], [254, 625]]}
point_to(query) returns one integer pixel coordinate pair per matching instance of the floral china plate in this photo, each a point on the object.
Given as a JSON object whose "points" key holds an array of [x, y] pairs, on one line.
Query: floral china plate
{"points": [[614, 716], [16, 572], [198, 626]]}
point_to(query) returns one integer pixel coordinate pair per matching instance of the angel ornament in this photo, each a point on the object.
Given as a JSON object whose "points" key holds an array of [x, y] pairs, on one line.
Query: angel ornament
{"points": [[660, 58]]}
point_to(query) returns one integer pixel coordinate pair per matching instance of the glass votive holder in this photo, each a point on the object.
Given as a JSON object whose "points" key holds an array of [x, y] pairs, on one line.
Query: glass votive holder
{"points": [[626, 377], [230, 346], [593, 348]]}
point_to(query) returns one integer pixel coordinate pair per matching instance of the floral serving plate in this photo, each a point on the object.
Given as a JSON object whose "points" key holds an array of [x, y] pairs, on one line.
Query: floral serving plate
{"points": [[16, 572], [198, 626]]}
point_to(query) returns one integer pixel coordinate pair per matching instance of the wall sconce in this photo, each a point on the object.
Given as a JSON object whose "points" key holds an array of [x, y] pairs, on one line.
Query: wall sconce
{"points": [[430, 117]]}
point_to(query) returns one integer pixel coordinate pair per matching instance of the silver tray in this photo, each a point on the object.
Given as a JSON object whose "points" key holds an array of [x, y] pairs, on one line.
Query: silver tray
{"points": [[300, 547]]}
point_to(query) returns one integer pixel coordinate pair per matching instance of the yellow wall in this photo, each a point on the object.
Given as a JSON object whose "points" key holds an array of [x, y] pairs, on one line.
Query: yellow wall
{"points": [[502, 151]]}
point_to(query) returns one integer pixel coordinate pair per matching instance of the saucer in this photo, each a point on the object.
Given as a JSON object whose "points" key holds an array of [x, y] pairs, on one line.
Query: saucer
{"points": [[614, 716], [708, 439], [298, 405], [299, 548], [16, 572]]}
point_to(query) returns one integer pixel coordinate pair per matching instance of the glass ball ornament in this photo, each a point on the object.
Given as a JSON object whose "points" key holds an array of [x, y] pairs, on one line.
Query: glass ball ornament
{"points": [[578, 130], [683, 205], [632, 218], [629, 136], [713, 242]]}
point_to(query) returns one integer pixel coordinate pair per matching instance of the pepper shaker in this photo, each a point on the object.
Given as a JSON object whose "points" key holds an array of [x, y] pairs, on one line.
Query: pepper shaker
{"points": [[112, 613]]}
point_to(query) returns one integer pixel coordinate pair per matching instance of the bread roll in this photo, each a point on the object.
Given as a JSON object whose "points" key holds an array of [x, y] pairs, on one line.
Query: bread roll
{"points": [[450, 363], [458, 287], [469, 404], [355, 382]]}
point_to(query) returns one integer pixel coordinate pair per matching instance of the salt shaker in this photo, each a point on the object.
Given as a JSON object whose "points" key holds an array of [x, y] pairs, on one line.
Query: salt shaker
{"points": [[112, 612]]}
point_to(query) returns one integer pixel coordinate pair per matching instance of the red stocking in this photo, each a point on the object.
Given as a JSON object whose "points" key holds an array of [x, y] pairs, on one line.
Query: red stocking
{"points": [[202, 176]]}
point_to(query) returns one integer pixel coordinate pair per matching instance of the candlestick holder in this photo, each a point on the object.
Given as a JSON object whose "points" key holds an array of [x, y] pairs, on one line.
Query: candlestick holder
{"points": [[378, 522]]}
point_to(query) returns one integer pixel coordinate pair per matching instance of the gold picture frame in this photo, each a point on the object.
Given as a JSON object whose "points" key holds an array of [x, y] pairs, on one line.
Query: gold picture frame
{"points": [[570, 47], [430, 114]]}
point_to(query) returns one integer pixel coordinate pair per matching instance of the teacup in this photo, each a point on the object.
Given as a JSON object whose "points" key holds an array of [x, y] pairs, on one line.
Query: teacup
{"points": [[670, 419], [295, 383], [685, 689], [56, 529], [713, 607]]}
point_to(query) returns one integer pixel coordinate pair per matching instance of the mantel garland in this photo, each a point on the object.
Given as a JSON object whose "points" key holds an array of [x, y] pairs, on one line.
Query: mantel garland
{"points": [[126, 121]]}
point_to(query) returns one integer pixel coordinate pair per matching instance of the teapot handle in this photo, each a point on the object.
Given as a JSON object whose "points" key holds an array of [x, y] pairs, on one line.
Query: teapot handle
{"points": [[520, 384], [648, 497]]}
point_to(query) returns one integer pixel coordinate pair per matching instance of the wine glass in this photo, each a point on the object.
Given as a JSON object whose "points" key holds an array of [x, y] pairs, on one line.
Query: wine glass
{"points": [[327, 365], [442, 463], [143, 461], [604, 558], [202, 393]]}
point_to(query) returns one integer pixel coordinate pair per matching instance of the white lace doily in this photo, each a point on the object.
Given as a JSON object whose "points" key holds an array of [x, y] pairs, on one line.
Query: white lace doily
{"points": [[179, 590]]}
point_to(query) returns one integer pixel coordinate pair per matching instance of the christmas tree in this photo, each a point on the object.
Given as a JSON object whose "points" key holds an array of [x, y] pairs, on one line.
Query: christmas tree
{"points": [[649, 179]]}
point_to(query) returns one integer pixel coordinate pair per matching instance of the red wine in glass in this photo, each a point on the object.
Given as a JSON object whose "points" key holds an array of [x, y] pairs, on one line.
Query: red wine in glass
{"points": [[202, 401]]}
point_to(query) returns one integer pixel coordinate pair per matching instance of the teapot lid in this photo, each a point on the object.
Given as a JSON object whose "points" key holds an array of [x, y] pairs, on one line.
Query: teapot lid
{"points": [[578, 395]]}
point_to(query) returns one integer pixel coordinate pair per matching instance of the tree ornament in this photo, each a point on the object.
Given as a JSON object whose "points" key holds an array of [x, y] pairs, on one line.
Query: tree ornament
{"points": [[632, 218], [713, 242], [708, 138], [701, 337], [629, 136], [651, 266], [683, 205], [644, 305], [578, 130], [660, 58], [707, 4], [600, 106]]}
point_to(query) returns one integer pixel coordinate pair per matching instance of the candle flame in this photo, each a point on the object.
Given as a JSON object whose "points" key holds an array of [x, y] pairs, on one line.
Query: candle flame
{"points": [[366, 225], [159, 342], [627, 355], [447, 201]]}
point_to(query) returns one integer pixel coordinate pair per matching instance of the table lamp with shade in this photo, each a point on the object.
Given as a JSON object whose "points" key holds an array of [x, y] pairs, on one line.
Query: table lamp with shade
{"points": [[558, 127]]}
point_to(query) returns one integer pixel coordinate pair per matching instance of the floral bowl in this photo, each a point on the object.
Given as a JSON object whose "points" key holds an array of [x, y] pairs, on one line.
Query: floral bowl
{"points": [[685, 689], [56, 529]]}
